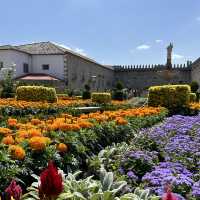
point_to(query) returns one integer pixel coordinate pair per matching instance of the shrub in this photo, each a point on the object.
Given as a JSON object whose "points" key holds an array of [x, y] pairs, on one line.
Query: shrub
{"points": [[194, 86], [8, 85], [119, 85], [86, 93], [173, 97], [119, 94], [193, 97], [101, 97], [36, 93]]}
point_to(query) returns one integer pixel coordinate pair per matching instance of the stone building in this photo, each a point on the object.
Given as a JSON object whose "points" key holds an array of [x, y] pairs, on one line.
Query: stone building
{"points": [[49, 62], [52, 63]]}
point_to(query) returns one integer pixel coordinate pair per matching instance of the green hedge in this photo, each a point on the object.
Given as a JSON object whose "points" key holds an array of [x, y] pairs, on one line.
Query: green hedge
{"points": [[101, 97], [193, 97], [36, 93], [169, 96]]}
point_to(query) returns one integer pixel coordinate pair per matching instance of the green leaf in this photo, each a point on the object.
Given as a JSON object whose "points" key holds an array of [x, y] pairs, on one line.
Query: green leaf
{"points": [[65, 196], [79, 195], [108, 181], [108, 195]]}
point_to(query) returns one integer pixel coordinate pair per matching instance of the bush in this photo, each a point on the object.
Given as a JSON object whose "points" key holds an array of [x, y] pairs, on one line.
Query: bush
{"points": [[119, 94], [8, 86], [36, 93], [194, 86], [101, 97], [193, 97], [119, 85], [173, 97], [86, 93]]}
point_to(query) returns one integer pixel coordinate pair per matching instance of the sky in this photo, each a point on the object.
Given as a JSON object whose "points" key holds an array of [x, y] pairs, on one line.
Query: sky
{"points": [[116, 32]]}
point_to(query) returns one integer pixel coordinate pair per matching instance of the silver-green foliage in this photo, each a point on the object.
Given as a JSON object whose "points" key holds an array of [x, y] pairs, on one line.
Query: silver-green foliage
{"points": [[90, 189]]}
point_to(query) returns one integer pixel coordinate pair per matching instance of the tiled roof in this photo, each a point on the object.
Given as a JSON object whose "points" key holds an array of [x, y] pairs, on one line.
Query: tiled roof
{"points": [[37, 77], [45, 48], [48, 48]]}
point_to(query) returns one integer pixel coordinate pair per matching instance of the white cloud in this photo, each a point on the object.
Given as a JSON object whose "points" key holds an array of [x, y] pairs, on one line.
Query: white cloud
{"points": [[143, 47], [177, 57], [80, 51], [159, 41]]}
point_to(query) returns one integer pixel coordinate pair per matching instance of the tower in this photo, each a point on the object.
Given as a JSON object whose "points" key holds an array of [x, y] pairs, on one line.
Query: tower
{"points": [[169, 56]]}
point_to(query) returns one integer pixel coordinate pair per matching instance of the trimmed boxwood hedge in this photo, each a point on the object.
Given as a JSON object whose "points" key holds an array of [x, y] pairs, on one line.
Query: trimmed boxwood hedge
{"points": [[101, 97], [36, 93], [193, 97], [173, 97]]}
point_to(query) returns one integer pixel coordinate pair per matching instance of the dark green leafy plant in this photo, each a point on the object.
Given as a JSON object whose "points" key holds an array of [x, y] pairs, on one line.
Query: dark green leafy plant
{"points": [[86, 93], [9, 169], [194, 86]]}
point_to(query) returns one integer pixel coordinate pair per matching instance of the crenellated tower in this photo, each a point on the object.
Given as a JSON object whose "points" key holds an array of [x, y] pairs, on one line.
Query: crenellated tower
{"points": [[169, 56]]}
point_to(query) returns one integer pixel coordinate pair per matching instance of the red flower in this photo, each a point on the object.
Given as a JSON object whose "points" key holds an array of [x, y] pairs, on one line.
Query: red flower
{"points": [[51, 182], [169, 195], [14, 190]]}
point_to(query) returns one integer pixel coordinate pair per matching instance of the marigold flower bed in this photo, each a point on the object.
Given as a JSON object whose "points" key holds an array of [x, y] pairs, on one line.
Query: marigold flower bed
{"points": [[41, 104], [69, 140]]}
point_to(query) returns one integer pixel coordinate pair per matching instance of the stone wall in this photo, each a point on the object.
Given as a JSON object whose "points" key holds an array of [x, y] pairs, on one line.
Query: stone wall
{"points": [[195, 73], [81, 71], [142, 78]]}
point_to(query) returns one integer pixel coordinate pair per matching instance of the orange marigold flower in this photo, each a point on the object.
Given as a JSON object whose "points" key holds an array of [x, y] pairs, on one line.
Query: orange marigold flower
{"points": [[62, 147], [35, 121], [8, 140], [121, 121], [17, 152], [22, 134], [12, 122], [85, 124], [34, 132], [5, 131], [39, 143]]}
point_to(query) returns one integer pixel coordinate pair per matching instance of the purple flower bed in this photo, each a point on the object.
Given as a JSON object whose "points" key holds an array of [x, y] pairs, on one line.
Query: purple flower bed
{"points": [[177, 146]]}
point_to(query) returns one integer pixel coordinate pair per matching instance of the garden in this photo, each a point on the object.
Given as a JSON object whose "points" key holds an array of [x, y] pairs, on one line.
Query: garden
{"points": [[49, 149]]}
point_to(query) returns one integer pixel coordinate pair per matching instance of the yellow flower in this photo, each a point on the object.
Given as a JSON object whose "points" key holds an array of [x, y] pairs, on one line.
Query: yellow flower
{"points": [[5, 131], [39, 143]]}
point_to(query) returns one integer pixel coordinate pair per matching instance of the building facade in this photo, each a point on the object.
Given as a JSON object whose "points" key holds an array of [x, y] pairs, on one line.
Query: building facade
{"points": [[49, 61], [46, 58]]}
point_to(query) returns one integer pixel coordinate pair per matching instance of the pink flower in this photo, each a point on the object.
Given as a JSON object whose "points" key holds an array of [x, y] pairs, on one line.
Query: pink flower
{"points": [[169, 195], [51, 182], [14, 190]]}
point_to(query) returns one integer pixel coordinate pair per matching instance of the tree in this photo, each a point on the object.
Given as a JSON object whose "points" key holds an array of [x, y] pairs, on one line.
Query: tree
{"points": [[86, 92], [8, 86], [194, 86]]}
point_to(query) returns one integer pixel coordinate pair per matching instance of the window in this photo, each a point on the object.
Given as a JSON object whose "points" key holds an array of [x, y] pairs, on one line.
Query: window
{"points": [[45, 67], [1, 65], [25, 66]]}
